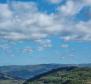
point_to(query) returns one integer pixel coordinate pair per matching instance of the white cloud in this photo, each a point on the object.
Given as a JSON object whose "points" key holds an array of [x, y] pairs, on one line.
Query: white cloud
{"points": [[71, 7], [84, 30], [4, 11], [88, 2], [44, 43], [15, 36], [24, 21]]}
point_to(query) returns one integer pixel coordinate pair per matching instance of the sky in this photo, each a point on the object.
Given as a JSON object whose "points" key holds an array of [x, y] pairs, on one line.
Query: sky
{"points": [[45, 31]]}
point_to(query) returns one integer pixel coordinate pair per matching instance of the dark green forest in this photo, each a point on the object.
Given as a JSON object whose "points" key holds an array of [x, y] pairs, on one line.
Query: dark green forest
{"points": [[73, 75]]}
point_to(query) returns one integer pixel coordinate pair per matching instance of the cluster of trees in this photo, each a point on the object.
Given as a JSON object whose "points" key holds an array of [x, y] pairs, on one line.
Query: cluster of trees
{"points": [[66, 76]]}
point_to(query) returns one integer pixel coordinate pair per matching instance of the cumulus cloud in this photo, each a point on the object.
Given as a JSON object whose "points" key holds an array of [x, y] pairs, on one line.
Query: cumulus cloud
{"points": [[88, 2], [70, 7], [23, 20], [80, 31], [44, 43]]}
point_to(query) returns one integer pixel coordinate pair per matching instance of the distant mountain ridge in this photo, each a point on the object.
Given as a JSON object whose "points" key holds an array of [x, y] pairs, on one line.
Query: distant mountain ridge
{"points": [[28, 71]]}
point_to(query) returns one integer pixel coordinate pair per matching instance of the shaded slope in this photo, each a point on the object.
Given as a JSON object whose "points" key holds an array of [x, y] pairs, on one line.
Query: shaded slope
{"points": [[5, 77], [28, 71]]}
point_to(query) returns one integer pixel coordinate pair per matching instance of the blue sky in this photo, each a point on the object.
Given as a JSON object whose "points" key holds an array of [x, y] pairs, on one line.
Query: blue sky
{"points": [[45, 31]]}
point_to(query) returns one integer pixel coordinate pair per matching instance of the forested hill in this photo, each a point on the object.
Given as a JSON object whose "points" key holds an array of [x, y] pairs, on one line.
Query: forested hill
{"points": [[67, 75]]}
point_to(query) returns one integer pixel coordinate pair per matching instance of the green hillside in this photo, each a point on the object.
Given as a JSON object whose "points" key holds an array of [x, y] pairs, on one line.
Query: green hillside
{"points": [[64, 76]]}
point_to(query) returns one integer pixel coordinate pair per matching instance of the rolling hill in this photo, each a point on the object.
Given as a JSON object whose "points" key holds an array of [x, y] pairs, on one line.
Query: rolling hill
{"points": [[28, 71], [67, 75], [19, 74]]}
